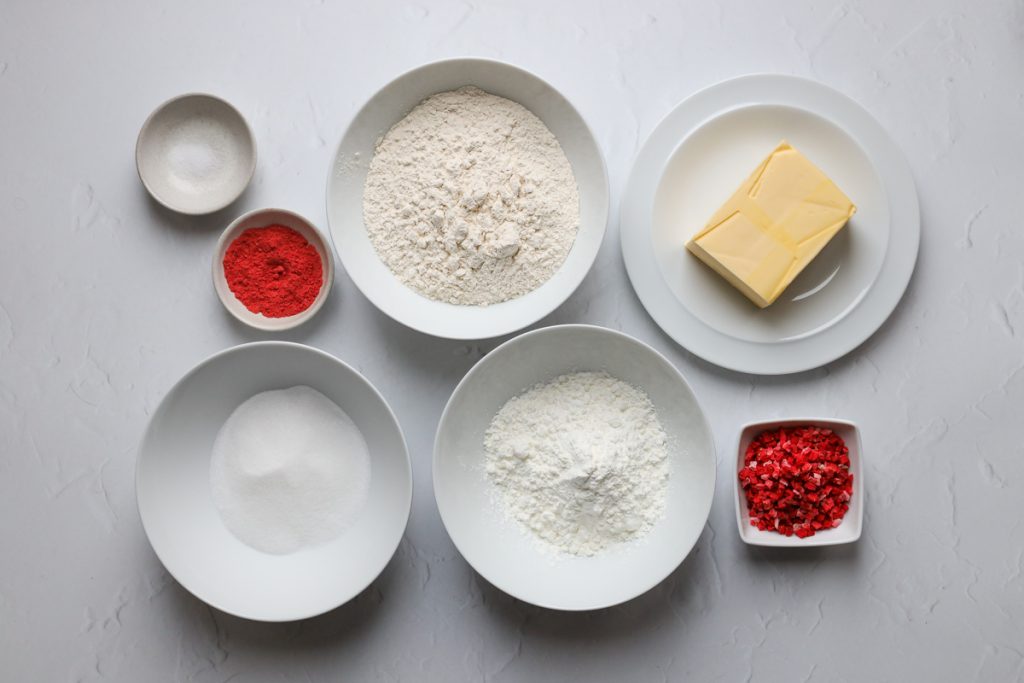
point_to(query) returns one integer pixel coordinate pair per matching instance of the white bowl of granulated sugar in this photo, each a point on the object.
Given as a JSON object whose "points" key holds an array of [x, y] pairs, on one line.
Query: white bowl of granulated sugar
{"points": [[274, 482], [574, 468], [467, 199]]}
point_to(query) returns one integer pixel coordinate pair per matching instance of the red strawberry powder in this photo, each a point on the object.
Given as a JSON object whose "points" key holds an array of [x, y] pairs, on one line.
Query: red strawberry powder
{"points": [[273, 271]]}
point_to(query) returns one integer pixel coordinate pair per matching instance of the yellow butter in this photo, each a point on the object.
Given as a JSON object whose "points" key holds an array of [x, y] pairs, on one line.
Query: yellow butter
{"points": [[778, 220]]}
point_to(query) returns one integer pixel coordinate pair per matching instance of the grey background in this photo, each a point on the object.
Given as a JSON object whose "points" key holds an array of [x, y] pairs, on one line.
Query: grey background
{"points": [[105, 300]]}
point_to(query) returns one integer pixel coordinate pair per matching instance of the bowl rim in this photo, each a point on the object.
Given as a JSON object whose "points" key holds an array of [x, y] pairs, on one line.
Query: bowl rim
{"points": [[858, 482], [541, 312], [712, 453], [241, 348], [144, 129], [254, 320]]}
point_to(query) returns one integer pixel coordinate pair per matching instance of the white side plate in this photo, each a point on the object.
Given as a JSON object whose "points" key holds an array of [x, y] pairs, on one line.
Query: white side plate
{"points": [[696, 158]]}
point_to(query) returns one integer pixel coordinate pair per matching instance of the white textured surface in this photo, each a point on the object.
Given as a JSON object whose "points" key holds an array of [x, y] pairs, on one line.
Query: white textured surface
{"points": [[105, 300]]}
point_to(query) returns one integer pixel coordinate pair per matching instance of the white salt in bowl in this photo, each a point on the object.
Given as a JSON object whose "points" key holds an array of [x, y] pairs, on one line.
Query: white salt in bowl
{"points": [[513, 559], [195, 154], [347, 177], [172, 482]]}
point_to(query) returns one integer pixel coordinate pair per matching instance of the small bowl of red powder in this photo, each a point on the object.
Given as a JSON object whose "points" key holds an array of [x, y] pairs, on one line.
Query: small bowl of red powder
{"points": [[799, 483], [272, 269]]}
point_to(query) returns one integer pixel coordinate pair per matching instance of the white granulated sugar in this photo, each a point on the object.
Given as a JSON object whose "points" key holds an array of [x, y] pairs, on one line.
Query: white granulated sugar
{"points": [[470, 200], [582, 461], [289, 470]]}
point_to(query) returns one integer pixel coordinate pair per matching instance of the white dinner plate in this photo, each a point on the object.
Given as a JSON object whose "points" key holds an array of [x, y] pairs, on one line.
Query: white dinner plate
{"points": [[694, 160], [352, 161]]}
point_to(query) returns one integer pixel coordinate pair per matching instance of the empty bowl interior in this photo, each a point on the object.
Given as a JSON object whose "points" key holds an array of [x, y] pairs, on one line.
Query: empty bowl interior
{"points": [[501, 550], [348, 176], [262, 218], [196, 154], [849, 529], [185, 529]]}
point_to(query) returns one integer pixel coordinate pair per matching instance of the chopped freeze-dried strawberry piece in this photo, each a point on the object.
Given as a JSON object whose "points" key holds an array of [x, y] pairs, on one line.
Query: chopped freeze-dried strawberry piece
{"points": [[797, 480]]}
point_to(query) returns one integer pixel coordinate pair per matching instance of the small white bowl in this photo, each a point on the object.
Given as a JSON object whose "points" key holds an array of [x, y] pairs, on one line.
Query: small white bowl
{"points": [[347, 178], [195, 154], [848, 530], [261, 218], [172, 483], [501, 550]]}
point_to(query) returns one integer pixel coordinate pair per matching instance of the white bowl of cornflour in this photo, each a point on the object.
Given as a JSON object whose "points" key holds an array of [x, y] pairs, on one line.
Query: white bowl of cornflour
{"points": [[573, 467], [467, 199], [274, 482]]}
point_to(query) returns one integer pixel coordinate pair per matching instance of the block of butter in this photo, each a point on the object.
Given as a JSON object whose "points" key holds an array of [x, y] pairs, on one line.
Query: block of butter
{"points": [[778, 220]]}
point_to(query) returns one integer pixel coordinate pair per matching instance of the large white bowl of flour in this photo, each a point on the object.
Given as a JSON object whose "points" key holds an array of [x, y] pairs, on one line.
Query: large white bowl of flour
{"points": [[179, 507], [473, 505], [547, 268]]}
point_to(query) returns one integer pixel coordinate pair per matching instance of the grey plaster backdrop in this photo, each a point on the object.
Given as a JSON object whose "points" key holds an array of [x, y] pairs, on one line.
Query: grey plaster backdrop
{"points": [[105, 300]]}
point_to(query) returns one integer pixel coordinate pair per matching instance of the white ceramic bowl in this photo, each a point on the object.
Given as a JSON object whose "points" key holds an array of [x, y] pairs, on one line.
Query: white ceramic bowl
{"points": [[261, 218], [173, 488], [507, 555], [195, 154], [848, 530], [348, 176]]}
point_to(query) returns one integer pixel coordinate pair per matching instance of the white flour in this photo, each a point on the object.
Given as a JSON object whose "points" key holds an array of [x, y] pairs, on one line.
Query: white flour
{"points": [[582, 461], [470, 199]]}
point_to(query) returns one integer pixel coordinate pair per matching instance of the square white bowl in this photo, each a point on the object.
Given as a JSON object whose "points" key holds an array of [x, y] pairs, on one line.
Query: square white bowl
{"points": [[848, 530]]}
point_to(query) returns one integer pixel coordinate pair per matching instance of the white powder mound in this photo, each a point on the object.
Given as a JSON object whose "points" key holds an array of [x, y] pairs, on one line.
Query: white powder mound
{"points": [[289, 470], [582, 461], [470, 200]]}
